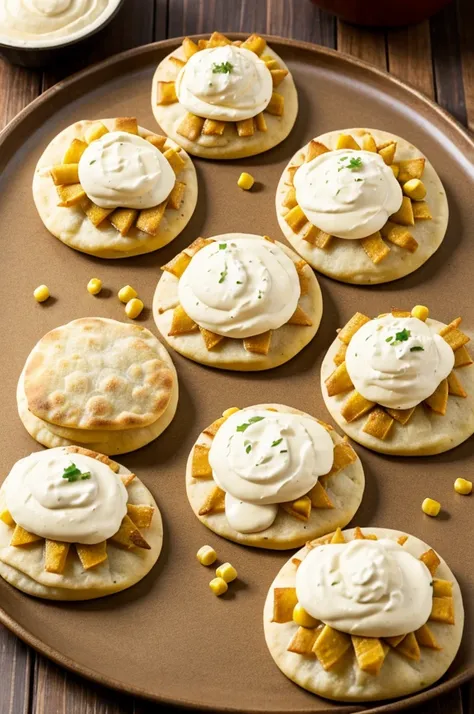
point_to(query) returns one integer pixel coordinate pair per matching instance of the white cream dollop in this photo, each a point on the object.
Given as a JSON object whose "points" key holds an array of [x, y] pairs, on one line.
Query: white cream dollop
{"points": [[347, 193], [41, 22], [83, 511], [204, 88], [240, 286], [365, 587], [261, 458], [398, 372], [122, 170]]}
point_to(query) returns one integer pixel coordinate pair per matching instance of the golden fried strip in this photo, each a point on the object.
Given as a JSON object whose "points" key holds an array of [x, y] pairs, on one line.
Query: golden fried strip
{"points": [[276, 105], [217, 39], [22, 537], [339, 381], [340, 355], [403, 416], [319, 497], [442, 588], [55, 556], [177, 265], [70, 194], [284, 601], [190, 47], [167, 93], [368, 143], [399, 235], [421, 211], [149, 219], [411, 168], [254, 43], [92, 555], [355, 406], [127, 124], [211, 127], [404, 215], [300, 508], [317, 237], [330, 646], [94, 455], [259, 344], [213, 428], [181, 323], [425, 638], [337, 537], [315, 148], [299, 317], [443, 610], [431, 560], [260, 123], [197, 245], [438, 401], [245, 127], [454, 337], [369, 652], [200, 467], [387, 151], [7, 518], [455, 387], [290, 199], [346, 333], [157, 140], [462, 358], [141, 514], [176, 196], [95, 131], [94, 213], [65, 174], [178, 63], [375, 247], [211, 339], [214, 503], [129, 536], [409, 647], [344, 456], [74, 151], [123, 219], [174, 160], [378, 424], [278, 75], [303, 641], [346, 141]]}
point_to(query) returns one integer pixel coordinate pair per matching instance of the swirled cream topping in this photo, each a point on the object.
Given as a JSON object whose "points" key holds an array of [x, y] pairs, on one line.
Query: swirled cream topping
{"points": [[371, 588], [239, 286], [224, 83], [347, 193], [47, 22], [398, 361], [261, 458], [47, 496], [124, 170]]}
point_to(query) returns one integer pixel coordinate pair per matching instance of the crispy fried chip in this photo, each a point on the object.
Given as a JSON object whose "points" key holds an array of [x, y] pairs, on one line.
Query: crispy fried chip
{"points": [[301, 508], [141, 514], [315, 148], [92, 555], [276, 105], [129, 536], [201, 467], [454, 337], [337, 537], [174, 160], [65, 173], [127, 124], [190, 47], [409, 647], [7, 518], [157, 140], [176, 196], [94, 455], [368, 143], [438, 402], [431, 560], [259, 344], [387, 152], [403, 416], [455, 387], [94, 213], [217, 39], [177, 265], [212, 127], [303, 641], [404, 215], [319, 497], [278, 75], [284, 601], [290, 199], [358, 535], [378, 424], [340, 355], [70, 194], [245, 127], [55, 556], [260, 123], [375, 247], [399, 235], [167, 93], [317, 237], [123, 219], [411, 168], [394, 641], [303, 276], [442, 588], [299, 317], [127, 479], [95, 132], [149, 219], [181, 322], [74, 151], [339, 381], [346, 333], [330, 646], [443, 610], [369, 653], [214, 503], [346, 141], [402, 540], [211, 339], [197, 245], [355, 406], [296, 219], [462, 358], [213, 428], [254, 43], [344, 455], [22, 537], [425, 638], [421, 211]]}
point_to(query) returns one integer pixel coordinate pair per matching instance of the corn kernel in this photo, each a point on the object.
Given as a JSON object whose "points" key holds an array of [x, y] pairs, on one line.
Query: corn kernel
{"points": [[431, 507], [41, 293], [415, 189], [227, 572], [246, 181], [230, 411], [127, 293], [218, 586], [206, 555], [303, 618], [463, 486], [133, 308], [396, 169], [421, 312], [94, 286]]}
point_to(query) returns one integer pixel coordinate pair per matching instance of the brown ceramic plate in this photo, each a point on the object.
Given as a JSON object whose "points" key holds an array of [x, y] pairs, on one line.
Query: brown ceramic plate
{"points": [[169, 638]]}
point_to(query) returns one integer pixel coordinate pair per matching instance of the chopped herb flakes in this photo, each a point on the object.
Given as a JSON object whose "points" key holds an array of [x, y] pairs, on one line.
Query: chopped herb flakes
{"points": [[222, 68], [355, 162], [248, 449], [72, 473], [222, 246], [277, 442], [399, 337], [417, 348], [252, 420]]}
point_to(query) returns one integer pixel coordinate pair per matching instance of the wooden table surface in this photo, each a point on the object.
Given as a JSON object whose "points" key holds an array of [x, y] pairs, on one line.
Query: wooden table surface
{"points": [[436, 56]]}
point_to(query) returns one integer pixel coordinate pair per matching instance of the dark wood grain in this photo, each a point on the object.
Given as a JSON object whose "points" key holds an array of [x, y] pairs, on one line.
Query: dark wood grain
{"points": [[437, 57]]}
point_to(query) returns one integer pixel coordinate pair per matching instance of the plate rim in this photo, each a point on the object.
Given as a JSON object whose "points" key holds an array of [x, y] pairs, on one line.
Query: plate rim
{"points": [[463, 135]]}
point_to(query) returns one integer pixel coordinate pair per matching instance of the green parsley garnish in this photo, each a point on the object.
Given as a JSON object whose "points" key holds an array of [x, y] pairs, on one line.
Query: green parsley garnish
{"points": [[72, 473], [359, 179], [284, 451], [277, 442], [401, 336], [248, 449], [222, 68], [417, 348], [223, 274], [252, 420], [222, 246], [92, 162], [355, 162], [239, 282]]}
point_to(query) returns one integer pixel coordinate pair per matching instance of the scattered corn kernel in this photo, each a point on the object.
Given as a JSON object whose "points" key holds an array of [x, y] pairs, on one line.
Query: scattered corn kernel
{"points": [[463, 486], [415, 189], [94, 286], [431, 507], [41, 293], [227, 572], [133, 308], [421, 312], [206, 555], [246, 181], [218, 586], [127, 293], [303, 618], [230, 411]]}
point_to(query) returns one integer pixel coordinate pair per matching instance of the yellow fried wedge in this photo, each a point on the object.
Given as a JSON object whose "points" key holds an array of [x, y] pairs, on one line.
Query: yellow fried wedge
{"points": [[129, 536], [378, 424], [177, 265], [259, 344], [346, 141], [425, 638], [394, 641], [290, 199], [399, 235], [201, 467], [276, 105], [303, 641], [387, 152], [340, 355], [211, 339], [22, 537], [358, 535], [7, 518], [211, 127], [351, 327], [123, 219], [203, 44], [344, 456], [411, 168], [190, 47], [197, 245], [141, 514], [300, 509], [403, 416], [455, 387], [303, 276], [299, 317], [181, 323], [454, 337], [94, 213], [438, 402], [191, 127], [157, 141], [442, 588], [98, 457], [65, 173], [245, 127], [127, 124], [254, 43], [149, 219], [355, 406], [213, 428], [178, 63], [174, 160], [317, 237], [409, 647], [92, 555], [369, 652], [74, 151], [404, 215], [127, 479], [462, 358], [375, 247], [319, 497], [71, 195], [443, 610], [337, 537], [176, 196], [284, 601], [295, 218], [402, 540], [95, 132], [368, 143], [270, 61], [166, 93], [315, 148], [330, 646], [260, 123], [214, 503], [217, 39], [339, 381], [431, 560], [55, 556], [421, 211], [278, 75]]}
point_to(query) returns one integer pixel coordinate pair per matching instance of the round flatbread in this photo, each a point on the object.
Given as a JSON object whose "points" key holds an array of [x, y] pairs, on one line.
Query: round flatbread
{"points": [[344, 489], [285, 343], [426, 432], [72, 226], [399, 676], [346, 260], [23, 567], [228, 145]]}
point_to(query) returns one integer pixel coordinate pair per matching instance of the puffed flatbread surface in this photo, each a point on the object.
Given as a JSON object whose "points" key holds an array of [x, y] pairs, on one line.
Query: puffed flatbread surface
{"points": [[286, 341], [72, 226], [346, 260], [230, 145], [345, 489], [398, 677], [23, 566], [426, 433]]}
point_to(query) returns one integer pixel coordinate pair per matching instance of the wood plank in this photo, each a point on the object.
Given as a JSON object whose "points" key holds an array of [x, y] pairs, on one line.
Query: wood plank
{"points": [[16, 664], [301, 21], [409, 56], [466, 38], [18, 87], [186, 17], [449, 88], [367, 45], [450, 703]]}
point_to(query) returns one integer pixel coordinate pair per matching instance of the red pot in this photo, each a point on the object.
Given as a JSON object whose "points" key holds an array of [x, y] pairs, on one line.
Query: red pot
{"points": [[382, 13]]}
